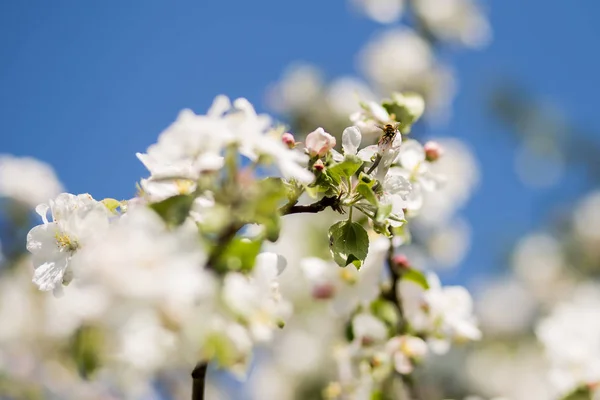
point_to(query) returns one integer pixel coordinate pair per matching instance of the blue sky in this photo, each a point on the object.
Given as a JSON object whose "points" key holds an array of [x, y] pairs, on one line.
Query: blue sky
{"points": [[84, 85]]}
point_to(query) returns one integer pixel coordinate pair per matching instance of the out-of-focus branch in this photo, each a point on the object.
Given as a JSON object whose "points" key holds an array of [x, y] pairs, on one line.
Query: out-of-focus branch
{"points": [[316, 207], [199, 381]]}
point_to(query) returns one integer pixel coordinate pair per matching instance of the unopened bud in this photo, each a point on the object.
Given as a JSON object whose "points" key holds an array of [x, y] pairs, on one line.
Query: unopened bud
{"points": [[323, 291], [288, 140], [433, 151], [401, 261], [319, 166], [318, 143], [367, 341]]}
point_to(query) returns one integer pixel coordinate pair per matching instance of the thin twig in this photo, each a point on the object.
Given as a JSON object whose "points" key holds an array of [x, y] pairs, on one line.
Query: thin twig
{"points": [[316, 207], [222, 242], [199, 379], [375, 163], [411, 387]]}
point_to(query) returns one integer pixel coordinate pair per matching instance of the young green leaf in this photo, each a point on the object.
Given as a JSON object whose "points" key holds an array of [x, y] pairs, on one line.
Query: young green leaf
{"points": [[174, 210], [365, 191], [111, 204], [417, 277], [348, 243], [239, 255], [346, 168]]}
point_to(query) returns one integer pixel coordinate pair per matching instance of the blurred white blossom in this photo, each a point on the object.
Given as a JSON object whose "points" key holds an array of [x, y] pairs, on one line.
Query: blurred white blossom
{"points": [[571, 339], [443, 313], [27, 180], [382, 11]]}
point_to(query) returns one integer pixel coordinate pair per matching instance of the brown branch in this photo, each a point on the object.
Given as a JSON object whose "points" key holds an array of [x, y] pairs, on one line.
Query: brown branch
{"points": [[222, 241], [410, 387], [199, 381], [316, 207]]}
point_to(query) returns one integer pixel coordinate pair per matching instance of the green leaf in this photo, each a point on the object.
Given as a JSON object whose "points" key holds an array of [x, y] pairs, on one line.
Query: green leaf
{"points": [[403, 232], [407, 107], [261, 208], [111, 204], [85, 349], [239, 255], [348, 243], [383, 212], [417, 277], [365, 191], [174, 210], [582, 393], [387, 312], [348, 167], [367, 179], [382, 228]]}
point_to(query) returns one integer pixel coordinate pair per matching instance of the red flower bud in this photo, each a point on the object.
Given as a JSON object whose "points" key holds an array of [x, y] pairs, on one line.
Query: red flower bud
{"points": [[433, 151], [401, 261], [323, 291], [319, 166], [288, 140]]}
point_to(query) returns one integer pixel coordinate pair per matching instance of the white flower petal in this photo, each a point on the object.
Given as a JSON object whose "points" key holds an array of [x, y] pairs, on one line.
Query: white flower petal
{"points": [[411, 155], [368, 152], [220, 106], [337, 156], [49, 274], [351, 139]]}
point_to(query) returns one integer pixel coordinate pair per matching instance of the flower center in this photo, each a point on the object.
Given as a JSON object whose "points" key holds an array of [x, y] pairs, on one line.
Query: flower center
{"points": [[65, 242], [184, 186]]}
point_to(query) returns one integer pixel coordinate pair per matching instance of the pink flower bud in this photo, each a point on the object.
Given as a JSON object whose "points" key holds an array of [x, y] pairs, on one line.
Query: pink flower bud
{"points": [[319, 166], [401, 261], [319, 142], [433, 151], [288, 140], [323, 291]]}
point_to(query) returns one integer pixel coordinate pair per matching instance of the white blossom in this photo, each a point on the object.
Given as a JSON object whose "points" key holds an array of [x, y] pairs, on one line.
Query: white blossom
{"points": [[571, 338], [382, 11], [396, 189], [318, 143], [368, 329], [405, 350], [371, 114], [351, 139], [27, 180], [346, 286], [413, 166], [75, 220], [195, 144], [455, 20], [256, 299], [443, 313], [157, 265]]}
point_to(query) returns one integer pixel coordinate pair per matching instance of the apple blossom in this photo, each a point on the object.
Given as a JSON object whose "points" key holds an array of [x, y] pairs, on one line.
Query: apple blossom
{"points": [[75, 220], [27, 180], [318, 143]]}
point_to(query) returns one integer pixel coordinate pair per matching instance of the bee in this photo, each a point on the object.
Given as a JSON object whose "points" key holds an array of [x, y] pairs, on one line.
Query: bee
{"points": [[389, 134]]}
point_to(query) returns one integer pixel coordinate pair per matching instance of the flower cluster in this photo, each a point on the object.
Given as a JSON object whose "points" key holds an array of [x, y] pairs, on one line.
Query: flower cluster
{"points": [[182, 269], [571, 337]]}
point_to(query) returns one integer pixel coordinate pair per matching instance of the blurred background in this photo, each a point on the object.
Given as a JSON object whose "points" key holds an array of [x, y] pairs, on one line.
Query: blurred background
{"points": [[510, 88]]}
